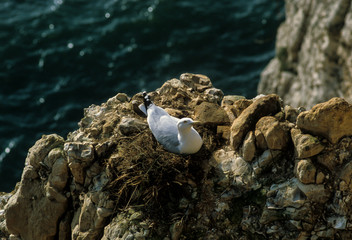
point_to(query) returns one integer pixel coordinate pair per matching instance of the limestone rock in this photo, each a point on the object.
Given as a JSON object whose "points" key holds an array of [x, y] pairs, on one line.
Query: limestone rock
{"points": [[286, 200], [275, 134], [240, 105], [328, 159], [315, 193], [80, 155], [35, 205], [223, 159], [59, 173], [260, 140], [208, 112], [41, 148], [170, 87], [4, 198], [286, 194], [248, 148], [80, 151], [232, 110], [231, 99], [90, 220], [125, 226], [265, 160], [196, 81], [223, 131], [214, 95], [305, 144], [227, 104], [122, 97], [174, 112], [291, 114], [246, 121], [346, 175], [305, 171], [129, 126], [70, 188], [332, 120], [233, 169], [313, 57], [320, 178], [229, 109]]}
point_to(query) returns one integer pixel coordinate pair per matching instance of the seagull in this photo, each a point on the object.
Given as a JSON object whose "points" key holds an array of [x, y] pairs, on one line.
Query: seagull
{"points": [[174, 134]]}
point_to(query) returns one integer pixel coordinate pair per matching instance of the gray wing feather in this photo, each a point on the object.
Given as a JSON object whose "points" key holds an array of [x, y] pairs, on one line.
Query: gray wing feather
{"points": [[164, 128]]}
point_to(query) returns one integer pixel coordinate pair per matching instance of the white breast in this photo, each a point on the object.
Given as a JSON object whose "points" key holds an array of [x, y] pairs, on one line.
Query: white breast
{"points": [[190, 142]]}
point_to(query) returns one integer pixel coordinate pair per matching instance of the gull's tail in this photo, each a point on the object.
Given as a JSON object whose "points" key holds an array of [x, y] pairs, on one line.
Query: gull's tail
{"points": [[146, 103]]}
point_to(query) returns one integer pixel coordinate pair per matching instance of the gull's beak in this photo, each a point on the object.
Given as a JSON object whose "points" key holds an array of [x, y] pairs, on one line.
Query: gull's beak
{"points": [[196, 123]]}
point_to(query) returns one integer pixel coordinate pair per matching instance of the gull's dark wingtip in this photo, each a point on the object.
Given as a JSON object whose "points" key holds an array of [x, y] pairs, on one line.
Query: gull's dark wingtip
{"points": [[146, 99]]}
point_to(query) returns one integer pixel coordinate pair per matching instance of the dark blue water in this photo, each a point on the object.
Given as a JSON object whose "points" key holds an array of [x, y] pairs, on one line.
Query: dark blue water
{"points": [[60, 56]]}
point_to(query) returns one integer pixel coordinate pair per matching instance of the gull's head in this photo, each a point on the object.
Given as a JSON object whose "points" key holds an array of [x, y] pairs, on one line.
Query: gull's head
{"points": [[185, 123]]}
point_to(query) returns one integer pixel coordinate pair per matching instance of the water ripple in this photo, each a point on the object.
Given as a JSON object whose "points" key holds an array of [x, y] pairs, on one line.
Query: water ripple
{"points": [[60, 56]]}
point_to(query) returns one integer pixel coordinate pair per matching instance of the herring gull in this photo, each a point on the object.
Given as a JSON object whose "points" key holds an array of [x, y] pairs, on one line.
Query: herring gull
{"points": [[174, 134]]}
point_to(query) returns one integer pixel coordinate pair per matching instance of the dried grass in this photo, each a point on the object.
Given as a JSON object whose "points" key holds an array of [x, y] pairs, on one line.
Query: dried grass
{"points": [[141, 170]]}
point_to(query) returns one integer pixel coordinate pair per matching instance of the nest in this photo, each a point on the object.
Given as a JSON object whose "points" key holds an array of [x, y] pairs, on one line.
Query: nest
{"points": [[143, 173]]}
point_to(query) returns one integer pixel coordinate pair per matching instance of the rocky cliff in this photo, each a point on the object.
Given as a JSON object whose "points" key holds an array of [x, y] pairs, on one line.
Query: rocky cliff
{"points": [[265, 171], [313, 54]]}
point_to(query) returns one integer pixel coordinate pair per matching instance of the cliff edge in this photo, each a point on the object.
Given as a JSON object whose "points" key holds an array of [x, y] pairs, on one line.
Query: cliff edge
{"points": [[313, 54], [265, 171]]}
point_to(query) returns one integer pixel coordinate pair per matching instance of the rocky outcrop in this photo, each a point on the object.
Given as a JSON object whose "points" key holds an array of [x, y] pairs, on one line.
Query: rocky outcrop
{"points": [[265, 171], [313, 54], [331, 120]]}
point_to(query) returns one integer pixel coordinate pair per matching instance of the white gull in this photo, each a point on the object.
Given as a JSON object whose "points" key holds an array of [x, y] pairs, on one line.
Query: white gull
{"points": [[174, 134]]}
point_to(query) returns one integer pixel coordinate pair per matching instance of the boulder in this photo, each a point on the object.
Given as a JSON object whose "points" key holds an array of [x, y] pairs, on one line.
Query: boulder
{"points": [[33, 212], [316, 193], [328, 159], [305, 171], [275, 134], [89, 221], [331, 119], [122, 97], [227, 104], [208, 112], [265, 160], [240, 105], [346, 175], [214, 95], [59, 172], [223, 131], [41, 148], [261, 107], [80, 155], [305, 144], [198, 82], [260, 140], [320, 178], [248, 148], [231, 99], [233, 169], [171, 86], [291, 113]]}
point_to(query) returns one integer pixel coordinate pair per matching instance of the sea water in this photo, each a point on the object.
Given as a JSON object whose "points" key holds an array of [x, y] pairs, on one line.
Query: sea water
{"points": [[60, 56]]}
